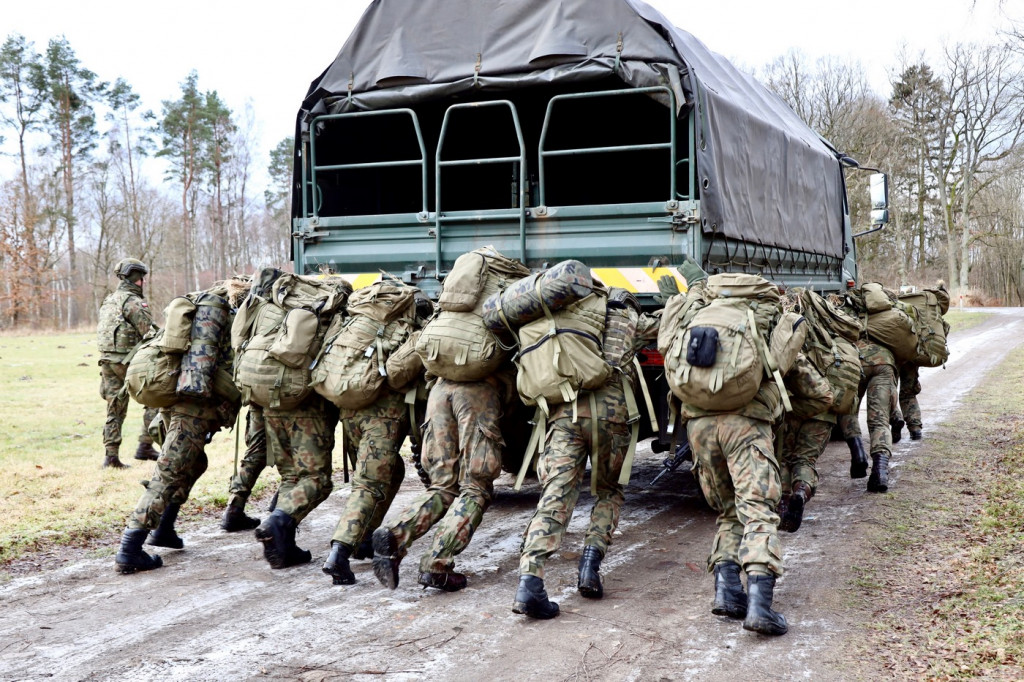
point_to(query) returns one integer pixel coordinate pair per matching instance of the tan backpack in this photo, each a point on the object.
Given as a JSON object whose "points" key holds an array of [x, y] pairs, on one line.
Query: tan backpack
{"points": [[720, 355], [830, 348], [152, 374], [456, 344], [280, 329], [930, 305], [351, 370]]}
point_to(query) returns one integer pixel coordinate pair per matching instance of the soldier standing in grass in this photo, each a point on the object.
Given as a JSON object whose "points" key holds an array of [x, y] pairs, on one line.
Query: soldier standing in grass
{"points": [[124, 319]]}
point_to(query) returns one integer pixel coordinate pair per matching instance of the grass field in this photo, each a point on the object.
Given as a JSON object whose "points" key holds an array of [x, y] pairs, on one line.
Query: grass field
{"points": [[54, 491]]}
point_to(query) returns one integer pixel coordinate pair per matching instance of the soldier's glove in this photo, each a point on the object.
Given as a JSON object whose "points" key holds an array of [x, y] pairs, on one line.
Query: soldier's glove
{"points": [[691, 271], [667, 288]]}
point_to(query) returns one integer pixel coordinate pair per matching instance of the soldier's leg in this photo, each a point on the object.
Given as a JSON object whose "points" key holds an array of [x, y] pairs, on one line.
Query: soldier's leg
{"points": [[252, 464], [111, 380], [378, 463], [850, 426], [881, 384], [560, 470], [910, 387], [300, 444], [712, 472], [476, 410], [606, 461], [809, 442]]}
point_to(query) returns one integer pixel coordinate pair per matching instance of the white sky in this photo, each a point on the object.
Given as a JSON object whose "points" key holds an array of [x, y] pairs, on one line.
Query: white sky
{"points": [[268, 53]]}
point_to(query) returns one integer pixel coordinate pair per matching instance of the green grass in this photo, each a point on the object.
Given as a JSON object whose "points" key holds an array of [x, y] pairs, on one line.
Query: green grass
{"points": [[959, 321], [951, 566], [53, 492]]}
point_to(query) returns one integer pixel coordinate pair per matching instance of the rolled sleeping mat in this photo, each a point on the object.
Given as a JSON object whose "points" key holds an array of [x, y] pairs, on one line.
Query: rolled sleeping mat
{"points": [[199, 364], [559, 286]]}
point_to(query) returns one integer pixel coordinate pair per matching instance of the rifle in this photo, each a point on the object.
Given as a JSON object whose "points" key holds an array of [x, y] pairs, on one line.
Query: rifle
{"points": [[672, 463]]}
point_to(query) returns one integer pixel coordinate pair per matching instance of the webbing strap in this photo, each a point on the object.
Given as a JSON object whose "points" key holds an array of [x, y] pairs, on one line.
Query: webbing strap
{"points": [[647, 394], [410, 400], [595, 462], [771, 367], [238, 419], [540, 426], [633, 411]]}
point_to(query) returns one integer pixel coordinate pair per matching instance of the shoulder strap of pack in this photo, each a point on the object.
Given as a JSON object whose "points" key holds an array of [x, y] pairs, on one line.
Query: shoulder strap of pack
{"points": [[536, 442], [771, 368]]}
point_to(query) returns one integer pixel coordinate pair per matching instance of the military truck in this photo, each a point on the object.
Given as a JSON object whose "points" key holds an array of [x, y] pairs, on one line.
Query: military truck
{"points": [[557, 129]]}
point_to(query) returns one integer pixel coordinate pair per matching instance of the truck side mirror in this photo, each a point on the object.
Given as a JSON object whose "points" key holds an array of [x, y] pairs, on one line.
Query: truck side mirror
{"points": [[879, 184]]}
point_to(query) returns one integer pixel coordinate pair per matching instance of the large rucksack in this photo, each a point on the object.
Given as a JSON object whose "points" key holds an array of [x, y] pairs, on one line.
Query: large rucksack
{"points": [[279, 329], [831, 347], [719, 355], [352, 367], [930, 305], [456, 344]]}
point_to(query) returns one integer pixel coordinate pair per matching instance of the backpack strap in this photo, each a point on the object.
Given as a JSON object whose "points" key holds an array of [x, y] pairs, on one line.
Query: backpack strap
{"points": [[540, 427], [633, 412], [595, 433], [647, 394], [410, 401], [771, 368]]}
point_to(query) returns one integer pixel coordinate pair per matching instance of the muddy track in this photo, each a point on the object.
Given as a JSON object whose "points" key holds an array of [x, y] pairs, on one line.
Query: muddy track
{"points": [[217, 612]]}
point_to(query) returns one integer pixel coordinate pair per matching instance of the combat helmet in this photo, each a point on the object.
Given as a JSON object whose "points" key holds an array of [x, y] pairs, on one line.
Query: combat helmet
{"points": [[126, 266]]}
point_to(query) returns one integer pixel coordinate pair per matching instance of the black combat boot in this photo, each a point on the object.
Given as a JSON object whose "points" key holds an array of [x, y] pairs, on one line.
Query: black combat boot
{"points": [[364, 550], [112, 460], [146, 451], [532, 600], [164, 535], [915, 434], [449, 581], [760, 617], [130, 558], [793, 514], [589, 581], [235, 519], [730, 599], [385, 557], [277, 533], [896, 424], [858, 458], [336, 565], [879, 481]]}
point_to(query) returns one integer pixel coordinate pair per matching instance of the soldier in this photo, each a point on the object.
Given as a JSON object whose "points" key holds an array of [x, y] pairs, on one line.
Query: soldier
{"points": [[124, 319], [806, 432], [375, 434], [300, 442], [190, 425], [461, 454], [908, 410], [597, 427], [878, 385], [737, 469], [254, 461]]}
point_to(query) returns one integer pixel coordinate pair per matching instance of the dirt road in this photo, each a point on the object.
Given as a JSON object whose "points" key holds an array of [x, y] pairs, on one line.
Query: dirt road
{"points": [[217, 612]]}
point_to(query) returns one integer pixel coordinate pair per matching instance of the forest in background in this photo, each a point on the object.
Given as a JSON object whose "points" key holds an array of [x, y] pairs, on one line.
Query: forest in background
{"points": [[77, 194]]}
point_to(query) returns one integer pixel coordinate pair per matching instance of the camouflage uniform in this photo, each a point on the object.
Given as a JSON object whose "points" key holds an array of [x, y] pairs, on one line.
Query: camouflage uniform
{"points": [[910, 387], [807, 429], [254, 461], [561, 467], [374, 435], [461, 453], [300, 443], [124, 319], [877, 385], [182, 460]]}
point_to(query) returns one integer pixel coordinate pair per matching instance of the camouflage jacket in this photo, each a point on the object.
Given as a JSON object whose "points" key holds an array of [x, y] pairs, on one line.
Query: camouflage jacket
{"points": [[872, 354], [810, 394], [124, 319]]}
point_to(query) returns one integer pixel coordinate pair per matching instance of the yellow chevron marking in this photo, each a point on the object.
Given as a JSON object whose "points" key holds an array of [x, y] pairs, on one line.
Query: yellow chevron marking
{"points": [[364, 279], [612, 277]]}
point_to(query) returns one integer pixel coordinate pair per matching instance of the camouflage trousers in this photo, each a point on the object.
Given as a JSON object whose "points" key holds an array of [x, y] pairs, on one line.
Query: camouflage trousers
{"points": [[377, 473], [462, 454], [910, 387], [849, 424], [253, 462], [112, 376], [560, 468], [182, 461], [803, 441], [739, 476], [877, 388], [300, 443]]}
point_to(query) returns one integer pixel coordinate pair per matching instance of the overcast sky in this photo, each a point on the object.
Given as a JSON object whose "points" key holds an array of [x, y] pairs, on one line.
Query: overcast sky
{"points": [[267, 53]]}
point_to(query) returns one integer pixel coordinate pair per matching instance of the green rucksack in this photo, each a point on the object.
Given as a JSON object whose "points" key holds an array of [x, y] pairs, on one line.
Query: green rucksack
{"points": [[831, 347], [456, 344], [352, 368], [279, 329], [719, 355], [930, 305]]}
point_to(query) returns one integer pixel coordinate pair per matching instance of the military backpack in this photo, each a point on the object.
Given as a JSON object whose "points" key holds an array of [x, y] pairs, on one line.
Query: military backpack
{"points": [[929, 306], [831, 347]]}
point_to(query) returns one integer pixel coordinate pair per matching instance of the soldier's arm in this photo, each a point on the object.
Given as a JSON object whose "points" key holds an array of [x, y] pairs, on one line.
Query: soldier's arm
{"points": [[136, 311]]}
